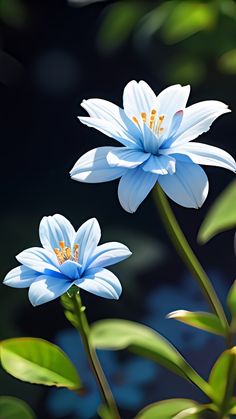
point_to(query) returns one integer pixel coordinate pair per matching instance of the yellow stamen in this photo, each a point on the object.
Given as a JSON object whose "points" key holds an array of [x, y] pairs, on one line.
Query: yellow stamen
{"points": [[59, 255], [76, 252], [135, 120], [68, 252], [144, 116], [152, 118], [159, 129], [62, 244]]}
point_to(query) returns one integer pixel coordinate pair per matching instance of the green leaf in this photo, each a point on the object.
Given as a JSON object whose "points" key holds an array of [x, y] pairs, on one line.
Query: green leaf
{"points": [[104, 412], [221, 374], [38, 361], [13, 408], [172, 409], [187, 18], [227, 62], [221, 216], [120, 334], [201, 320], [118, 24]]}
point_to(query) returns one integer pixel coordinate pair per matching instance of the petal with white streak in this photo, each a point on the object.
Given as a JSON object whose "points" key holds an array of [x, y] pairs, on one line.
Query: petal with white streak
{"points": [[38, 259], [100, 282], [124, 157], [93, 167], [205, 154], [54, 229], [128, 133], [20, 277], [188, 186], [47, 288], [108, 254], [133, 188], [197, 119], [137, 98], [87, 237]]}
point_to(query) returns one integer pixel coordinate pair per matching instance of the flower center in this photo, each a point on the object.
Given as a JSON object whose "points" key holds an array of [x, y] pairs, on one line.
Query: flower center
{"points": [[154, 122], [64, 253]]}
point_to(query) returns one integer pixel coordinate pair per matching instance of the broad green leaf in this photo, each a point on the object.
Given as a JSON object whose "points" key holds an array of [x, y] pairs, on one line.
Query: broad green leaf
{"points": [[201, 320], [120, 334], [227, 62], [219, 376], [118, 24], [37, 361], [173, 408], [13, 408], [221, 216], [187, 18], [231, 299]]}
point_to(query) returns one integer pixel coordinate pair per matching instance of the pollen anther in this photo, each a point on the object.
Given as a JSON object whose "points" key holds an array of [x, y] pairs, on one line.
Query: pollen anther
{"points": [[144, 116]]}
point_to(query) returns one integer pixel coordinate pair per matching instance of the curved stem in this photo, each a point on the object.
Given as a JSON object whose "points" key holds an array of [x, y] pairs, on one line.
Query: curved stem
{"points": [[183, 248], [84, 330]]}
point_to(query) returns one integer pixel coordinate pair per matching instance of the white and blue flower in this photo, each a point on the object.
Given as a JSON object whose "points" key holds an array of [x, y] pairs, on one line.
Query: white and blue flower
{"points": [[68, 258], [156, 134]]}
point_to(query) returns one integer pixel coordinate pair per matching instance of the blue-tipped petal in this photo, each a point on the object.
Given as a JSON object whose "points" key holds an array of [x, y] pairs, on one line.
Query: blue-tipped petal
{"points": [[93, 167], [87, 237], [188, 186], [133, 188], [54, 229], [20, 277], [161, 165], [47, 288], [205, 154], [108, 254], [125, 157], [101, 282], [70, 269], [38, 259]]}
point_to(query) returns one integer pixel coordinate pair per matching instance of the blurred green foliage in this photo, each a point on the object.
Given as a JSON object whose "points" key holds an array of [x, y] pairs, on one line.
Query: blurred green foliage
{"points": [[203, 33]]}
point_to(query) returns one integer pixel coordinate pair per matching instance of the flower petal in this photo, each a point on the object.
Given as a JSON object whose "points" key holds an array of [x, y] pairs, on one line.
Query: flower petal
{"points": [[93, 167], [124, 157], [108, 254], [169, 102], [127, 132], [137, 98], [87, 237], [197, 119], [100, 282], [38, 259], [20, 277], [205, 154], [188, 186], [133, 188], [70, 269], [54, 229], [160, 165], [47, 288]]}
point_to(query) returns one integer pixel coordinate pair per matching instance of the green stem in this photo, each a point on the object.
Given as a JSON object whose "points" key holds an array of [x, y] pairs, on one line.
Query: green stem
{"points": [[84, 330], [229, 388], [189, 258]]}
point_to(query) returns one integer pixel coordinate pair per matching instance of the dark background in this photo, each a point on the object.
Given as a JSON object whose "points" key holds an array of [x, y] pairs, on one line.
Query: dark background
{"points": [[54, 55]]}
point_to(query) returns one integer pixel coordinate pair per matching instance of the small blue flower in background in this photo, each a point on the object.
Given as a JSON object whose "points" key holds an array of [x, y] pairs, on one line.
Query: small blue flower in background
{"points": [[128, 380], [186, 296], [156, 134], [68, 258]]}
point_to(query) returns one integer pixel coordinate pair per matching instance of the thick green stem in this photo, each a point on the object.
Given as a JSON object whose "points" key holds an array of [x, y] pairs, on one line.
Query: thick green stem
{"points": [[103, 386], [183, 248]]}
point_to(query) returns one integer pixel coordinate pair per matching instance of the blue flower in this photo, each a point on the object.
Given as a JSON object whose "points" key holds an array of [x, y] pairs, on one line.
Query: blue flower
{"points": [[128, 380], [68, 258], [156, 134]]}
